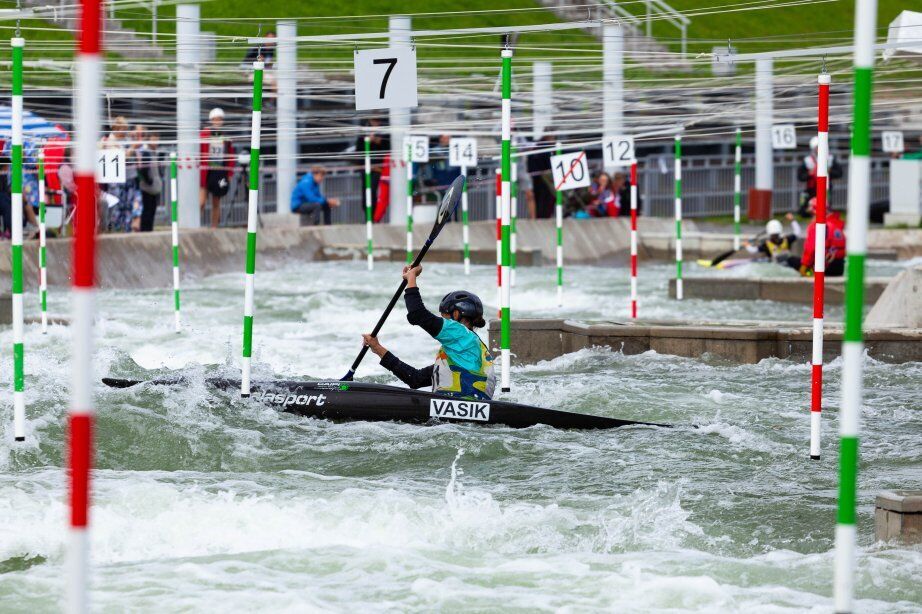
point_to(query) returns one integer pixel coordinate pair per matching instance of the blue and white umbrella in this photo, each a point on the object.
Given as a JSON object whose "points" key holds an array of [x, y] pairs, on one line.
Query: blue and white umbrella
{"points": [[33, 126]]}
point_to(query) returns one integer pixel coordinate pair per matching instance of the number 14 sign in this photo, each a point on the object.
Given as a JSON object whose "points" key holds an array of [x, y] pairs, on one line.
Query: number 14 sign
{"points": [[385, 78]]}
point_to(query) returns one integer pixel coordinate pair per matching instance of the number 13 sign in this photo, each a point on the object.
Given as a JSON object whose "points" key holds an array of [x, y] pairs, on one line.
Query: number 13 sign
{"points": [[385, 78]]}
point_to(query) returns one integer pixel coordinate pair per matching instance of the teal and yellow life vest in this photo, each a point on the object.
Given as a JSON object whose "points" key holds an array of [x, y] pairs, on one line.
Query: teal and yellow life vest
{"points": [[454, 380]]}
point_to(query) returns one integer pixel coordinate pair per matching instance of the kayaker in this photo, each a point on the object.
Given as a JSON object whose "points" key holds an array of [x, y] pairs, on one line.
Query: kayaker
{"points": [[778, 245], [463, 366]]}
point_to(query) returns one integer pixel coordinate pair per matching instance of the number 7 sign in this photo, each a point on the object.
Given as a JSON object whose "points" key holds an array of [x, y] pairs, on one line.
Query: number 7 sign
{"points": [[385, 78]]}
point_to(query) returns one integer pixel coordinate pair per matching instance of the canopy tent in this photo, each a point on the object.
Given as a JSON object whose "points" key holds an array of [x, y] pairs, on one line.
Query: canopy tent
{"points": [[905, 29], [33, 126]]}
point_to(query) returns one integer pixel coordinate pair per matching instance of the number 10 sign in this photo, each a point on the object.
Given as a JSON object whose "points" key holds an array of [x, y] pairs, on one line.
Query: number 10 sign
{"points": [[385, 78]]}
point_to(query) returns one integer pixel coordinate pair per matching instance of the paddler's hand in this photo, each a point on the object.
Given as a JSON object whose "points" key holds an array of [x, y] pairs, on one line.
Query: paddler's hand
{"points": [[411, 273], [374, 345]]}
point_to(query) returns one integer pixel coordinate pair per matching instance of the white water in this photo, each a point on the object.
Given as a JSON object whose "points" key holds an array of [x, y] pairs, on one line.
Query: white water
{"points": [[203, 502]]}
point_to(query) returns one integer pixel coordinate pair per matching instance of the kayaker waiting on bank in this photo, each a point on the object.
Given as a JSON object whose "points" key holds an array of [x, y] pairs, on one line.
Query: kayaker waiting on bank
{"points": [[778, 245], [463, 365]]}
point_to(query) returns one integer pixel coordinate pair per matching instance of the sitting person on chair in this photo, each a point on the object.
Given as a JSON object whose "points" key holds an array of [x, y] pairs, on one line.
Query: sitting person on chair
{"points": [[307, 197], [463, 365]]}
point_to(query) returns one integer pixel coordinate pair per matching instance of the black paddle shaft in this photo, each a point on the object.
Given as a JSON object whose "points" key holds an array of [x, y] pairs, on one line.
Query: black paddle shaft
{"points": [[449, 204]]}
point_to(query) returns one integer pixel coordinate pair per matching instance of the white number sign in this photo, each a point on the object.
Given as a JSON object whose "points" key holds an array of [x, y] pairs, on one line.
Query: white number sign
{"points": [[892, 141], [462, 152], [416, 148], [385, 78], [618, 150], [110, 166], [784, 136], [571, 171]]}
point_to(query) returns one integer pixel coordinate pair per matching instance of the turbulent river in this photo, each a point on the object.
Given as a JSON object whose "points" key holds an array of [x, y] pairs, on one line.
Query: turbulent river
{"points": [[204, 502]]}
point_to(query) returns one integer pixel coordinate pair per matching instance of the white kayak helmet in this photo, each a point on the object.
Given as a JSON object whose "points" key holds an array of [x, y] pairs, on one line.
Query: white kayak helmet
{"points": [[773, 228], [814, 143]]}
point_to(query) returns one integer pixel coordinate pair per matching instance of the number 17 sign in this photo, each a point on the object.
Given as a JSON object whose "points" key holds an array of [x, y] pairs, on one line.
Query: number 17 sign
{"points": [[385, 78]]}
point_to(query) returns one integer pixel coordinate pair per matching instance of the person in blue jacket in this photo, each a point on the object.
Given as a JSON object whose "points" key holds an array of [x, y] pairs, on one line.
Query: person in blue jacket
{"points": [[463, 366], [308, 198]]}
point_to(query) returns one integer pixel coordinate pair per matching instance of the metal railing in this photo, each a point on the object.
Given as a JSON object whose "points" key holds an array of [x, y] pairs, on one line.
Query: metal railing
{"points": [[655, 9], [707, 189]]}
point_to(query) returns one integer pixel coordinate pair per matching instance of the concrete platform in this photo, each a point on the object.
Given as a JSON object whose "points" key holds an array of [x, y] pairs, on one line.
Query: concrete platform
{"points": [[534, 340], [898, 516], [783, 289]]}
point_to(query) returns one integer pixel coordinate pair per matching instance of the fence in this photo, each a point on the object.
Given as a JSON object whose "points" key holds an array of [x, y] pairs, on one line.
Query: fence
{"points": [[707, 189]]}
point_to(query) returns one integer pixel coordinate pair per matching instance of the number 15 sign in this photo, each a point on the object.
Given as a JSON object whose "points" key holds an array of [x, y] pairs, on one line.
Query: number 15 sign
{"points": [[385, 78]]}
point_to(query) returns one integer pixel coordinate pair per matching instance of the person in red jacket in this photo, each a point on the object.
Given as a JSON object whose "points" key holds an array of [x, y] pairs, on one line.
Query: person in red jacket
{"points": [[217, 155], [835, 244]]}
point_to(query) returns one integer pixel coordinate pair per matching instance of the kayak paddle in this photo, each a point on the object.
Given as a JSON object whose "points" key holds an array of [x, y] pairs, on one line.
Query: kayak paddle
{"points": [[446, 209], [727, 254]]}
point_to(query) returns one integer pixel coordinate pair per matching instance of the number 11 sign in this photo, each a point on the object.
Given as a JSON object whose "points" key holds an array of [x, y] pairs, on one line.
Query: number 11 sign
{"points": [[385, 78]]}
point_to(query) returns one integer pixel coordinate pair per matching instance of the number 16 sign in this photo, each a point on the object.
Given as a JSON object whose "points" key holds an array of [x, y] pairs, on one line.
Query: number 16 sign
{"points": [[385, 78]]}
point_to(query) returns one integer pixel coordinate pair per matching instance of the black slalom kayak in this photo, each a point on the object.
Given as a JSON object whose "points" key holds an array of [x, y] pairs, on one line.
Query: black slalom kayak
{"points": [[338, 400]]}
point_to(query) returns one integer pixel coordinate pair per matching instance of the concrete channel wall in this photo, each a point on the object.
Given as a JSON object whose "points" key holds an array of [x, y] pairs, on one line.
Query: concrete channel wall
{"points": [[534, 340], [785, 290]]}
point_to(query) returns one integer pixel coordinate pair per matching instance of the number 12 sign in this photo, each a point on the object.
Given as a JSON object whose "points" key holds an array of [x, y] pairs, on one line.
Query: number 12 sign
{"points": [[385, 78], [571, 171], [618, 150]]}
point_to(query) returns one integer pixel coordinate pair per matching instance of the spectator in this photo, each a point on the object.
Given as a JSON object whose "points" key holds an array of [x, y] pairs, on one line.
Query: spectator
{"points": [[217, 154], [150, 180], [307, 197], [380, 145], [807, 174], [125, 198], [914, 155], [440, 174], [604, 197], [539, 167]]}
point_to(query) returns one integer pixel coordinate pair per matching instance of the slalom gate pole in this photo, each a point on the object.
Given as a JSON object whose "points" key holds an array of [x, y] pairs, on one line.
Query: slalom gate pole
{"points": [[368, 225], [819, 265], [252, 225], [558, 209], [19, 380], [678, 217], [465, 230], [174, 226], [42, 243], [499, 242], [633, 238], [859, 193], [506, 213], [514, 216], [409, 205], [737, 187], [88, 111]]}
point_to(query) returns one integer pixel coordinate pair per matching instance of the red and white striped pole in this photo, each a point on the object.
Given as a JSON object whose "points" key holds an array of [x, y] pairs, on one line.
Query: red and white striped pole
{"points": [[88, 86], [499, 241], [819, 266], [634, 238]]}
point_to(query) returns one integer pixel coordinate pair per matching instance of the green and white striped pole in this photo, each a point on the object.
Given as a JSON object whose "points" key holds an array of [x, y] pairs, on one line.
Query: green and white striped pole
{"points": [[859, 175], [42, 241], [737, 187], [465, 230], [514, 215], [506, 191], [252, 223], [174, 223], [19, 403], [558, 209], [409, 204], [678, 217], [368, 239]]}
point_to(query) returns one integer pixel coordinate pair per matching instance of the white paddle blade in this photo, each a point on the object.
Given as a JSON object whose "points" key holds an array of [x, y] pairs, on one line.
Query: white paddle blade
{"points": [[451, 199]]}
